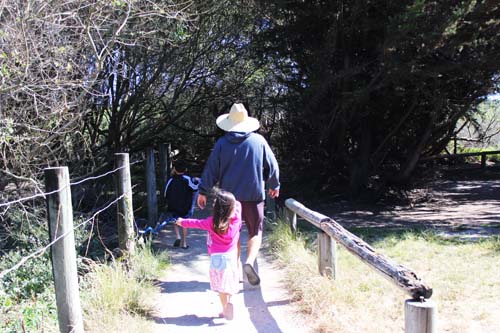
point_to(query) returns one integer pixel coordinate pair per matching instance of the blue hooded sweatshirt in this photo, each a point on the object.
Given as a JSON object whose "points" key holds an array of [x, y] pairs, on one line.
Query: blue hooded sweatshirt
{"points": [[241, 163]]}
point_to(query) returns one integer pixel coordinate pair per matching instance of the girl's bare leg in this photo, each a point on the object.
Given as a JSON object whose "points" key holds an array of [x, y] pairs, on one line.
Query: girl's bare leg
{"points": [[223, 300], [227, 307]]}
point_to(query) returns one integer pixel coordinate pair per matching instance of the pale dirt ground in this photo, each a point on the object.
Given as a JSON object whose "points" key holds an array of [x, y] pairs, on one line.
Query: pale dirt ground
{"points": [[186, 303], [466, 204]]}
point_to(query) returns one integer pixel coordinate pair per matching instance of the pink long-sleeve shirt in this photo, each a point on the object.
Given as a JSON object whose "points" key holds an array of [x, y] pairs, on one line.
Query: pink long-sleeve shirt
{"points": [[219, 243]]}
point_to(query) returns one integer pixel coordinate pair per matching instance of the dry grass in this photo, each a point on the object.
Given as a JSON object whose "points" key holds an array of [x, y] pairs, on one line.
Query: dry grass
{"points": [[119, 300], [464, 277]]}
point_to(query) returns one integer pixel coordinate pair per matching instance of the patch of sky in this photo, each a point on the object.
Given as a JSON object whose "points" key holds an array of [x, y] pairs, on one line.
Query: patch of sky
{"points": [[494, 97]]}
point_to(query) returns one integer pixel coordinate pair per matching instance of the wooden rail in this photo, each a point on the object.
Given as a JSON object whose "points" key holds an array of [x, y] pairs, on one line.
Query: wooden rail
{"points": [[420, 313], [483, 155]]}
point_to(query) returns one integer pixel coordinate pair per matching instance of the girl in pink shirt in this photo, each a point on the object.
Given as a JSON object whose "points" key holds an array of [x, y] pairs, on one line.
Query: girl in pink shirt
{"points": [[222, 242]]}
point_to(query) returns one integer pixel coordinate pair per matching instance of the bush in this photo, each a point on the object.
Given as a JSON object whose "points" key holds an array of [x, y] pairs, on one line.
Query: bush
{"points": [[119, 297]]}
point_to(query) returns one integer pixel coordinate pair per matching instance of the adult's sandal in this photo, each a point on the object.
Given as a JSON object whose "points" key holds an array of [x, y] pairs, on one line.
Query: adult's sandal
{"points": [[252, 276]]}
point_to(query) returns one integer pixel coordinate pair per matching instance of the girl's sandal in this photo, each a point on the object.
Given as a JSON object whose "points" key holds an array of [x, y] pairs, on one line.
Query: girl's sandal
{"points": [[229, 311]]}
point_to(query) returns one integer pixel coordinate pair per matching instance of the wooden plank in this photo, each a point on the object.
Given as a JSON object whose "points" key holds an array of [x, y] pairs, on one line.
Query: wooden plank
{"points": [[401, 276], [311, 216], [451, 156], [63, 252]]}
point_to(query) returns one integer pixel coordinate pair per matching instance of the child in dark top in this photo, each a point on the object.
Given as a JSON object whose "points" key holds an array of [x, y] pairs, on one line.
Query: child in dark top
{"points": [[180, 192]]}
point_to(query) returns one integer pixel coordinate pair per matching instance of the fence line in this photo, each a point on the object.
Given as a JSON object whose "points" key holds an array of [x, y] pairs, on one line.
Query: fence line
{"points": [[43, 249], [31, 197], [60, 218], [44, 194], [104, 174]]}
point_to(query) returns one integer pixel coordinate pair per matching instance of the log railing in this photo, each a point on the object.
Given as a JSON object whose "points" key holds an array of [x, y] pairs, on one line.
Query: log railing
{"points": [[420, 312]]}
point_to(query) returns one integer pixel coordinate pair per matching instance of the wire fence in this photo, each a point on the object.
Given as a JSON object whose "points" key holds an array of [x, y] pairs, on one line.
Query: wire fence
{"points": [[40, 251], [45, 194]]}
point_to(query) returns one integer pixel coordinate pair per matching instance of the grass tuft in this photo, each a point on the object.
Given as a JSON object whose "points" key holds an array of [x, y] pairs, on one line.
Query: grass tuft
{"points": [[117, 299], [463, 276]]}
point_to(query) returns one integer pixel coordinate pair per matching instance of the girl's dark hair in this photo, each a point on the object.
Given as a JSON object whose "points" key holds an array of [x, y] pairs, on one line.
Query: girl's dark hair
{"points": [[223, 207]]}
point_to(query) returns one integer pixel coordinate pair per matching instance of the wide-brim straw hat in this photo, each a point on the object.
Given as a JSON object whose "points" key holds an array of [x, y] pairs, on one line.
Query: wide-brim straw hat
{"points": [[237, 120]]}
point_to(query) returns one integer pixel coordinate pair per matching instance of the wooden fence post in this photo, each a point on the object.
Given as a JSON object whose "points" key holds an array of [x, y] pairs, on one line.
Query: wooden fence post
{"points": [[151, 187], [327, 255], [483, 160], [420, 316], [125, 207], [164, 161], [291, 217], [169, 160], [63, 252]]}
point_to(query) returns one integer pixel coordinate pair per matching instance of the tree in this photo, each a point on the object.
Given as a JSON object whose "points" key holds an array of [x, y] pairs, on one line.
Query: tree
{"points": [[51, 63], [373, 86], [173, 92]]}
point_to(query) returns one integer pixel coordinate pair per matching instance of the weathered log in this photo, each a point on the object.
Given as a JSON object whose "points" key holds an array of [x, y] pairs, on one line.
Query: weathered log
{"points": [[403, 277]]}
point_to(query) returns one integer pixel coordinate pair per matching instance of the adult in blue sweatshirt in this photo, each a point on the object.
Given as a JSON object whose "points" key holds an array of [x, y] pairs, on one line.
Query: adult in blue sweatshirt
{"points": [[241, 162]]}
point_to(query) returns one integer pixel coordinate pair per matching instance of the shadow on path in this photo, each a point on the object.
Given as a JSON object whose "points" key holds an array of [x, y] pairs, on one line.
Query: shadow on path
{"points": [[189, 320], [258, 309], [183, 286]]}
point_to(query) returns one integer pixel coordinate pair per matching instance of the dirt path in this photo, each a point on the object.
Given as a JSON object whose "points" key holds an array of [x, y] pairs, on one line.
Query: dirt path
{"points": [[465, 205], [186, 303]]}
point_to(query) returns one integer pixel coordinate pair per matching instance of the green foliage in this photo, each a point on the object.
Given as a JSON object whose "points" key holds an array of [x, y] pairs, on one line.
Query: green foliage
{"points": [[36, 314], [148, 265], [27, 293], [29, 280], [371, 87], [27, 233]]}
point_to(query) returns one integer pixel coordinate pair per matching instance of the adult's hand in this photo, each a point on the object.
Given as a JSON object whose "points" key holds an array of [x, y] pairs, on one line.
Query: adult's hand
{"points": [[274, 193], [202, 201]]}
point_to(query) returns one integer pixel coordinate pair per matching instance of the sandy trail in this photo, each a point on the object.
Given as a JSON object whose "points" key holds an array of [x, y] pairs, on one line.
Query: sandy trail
{"points": [[186, 303]]}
